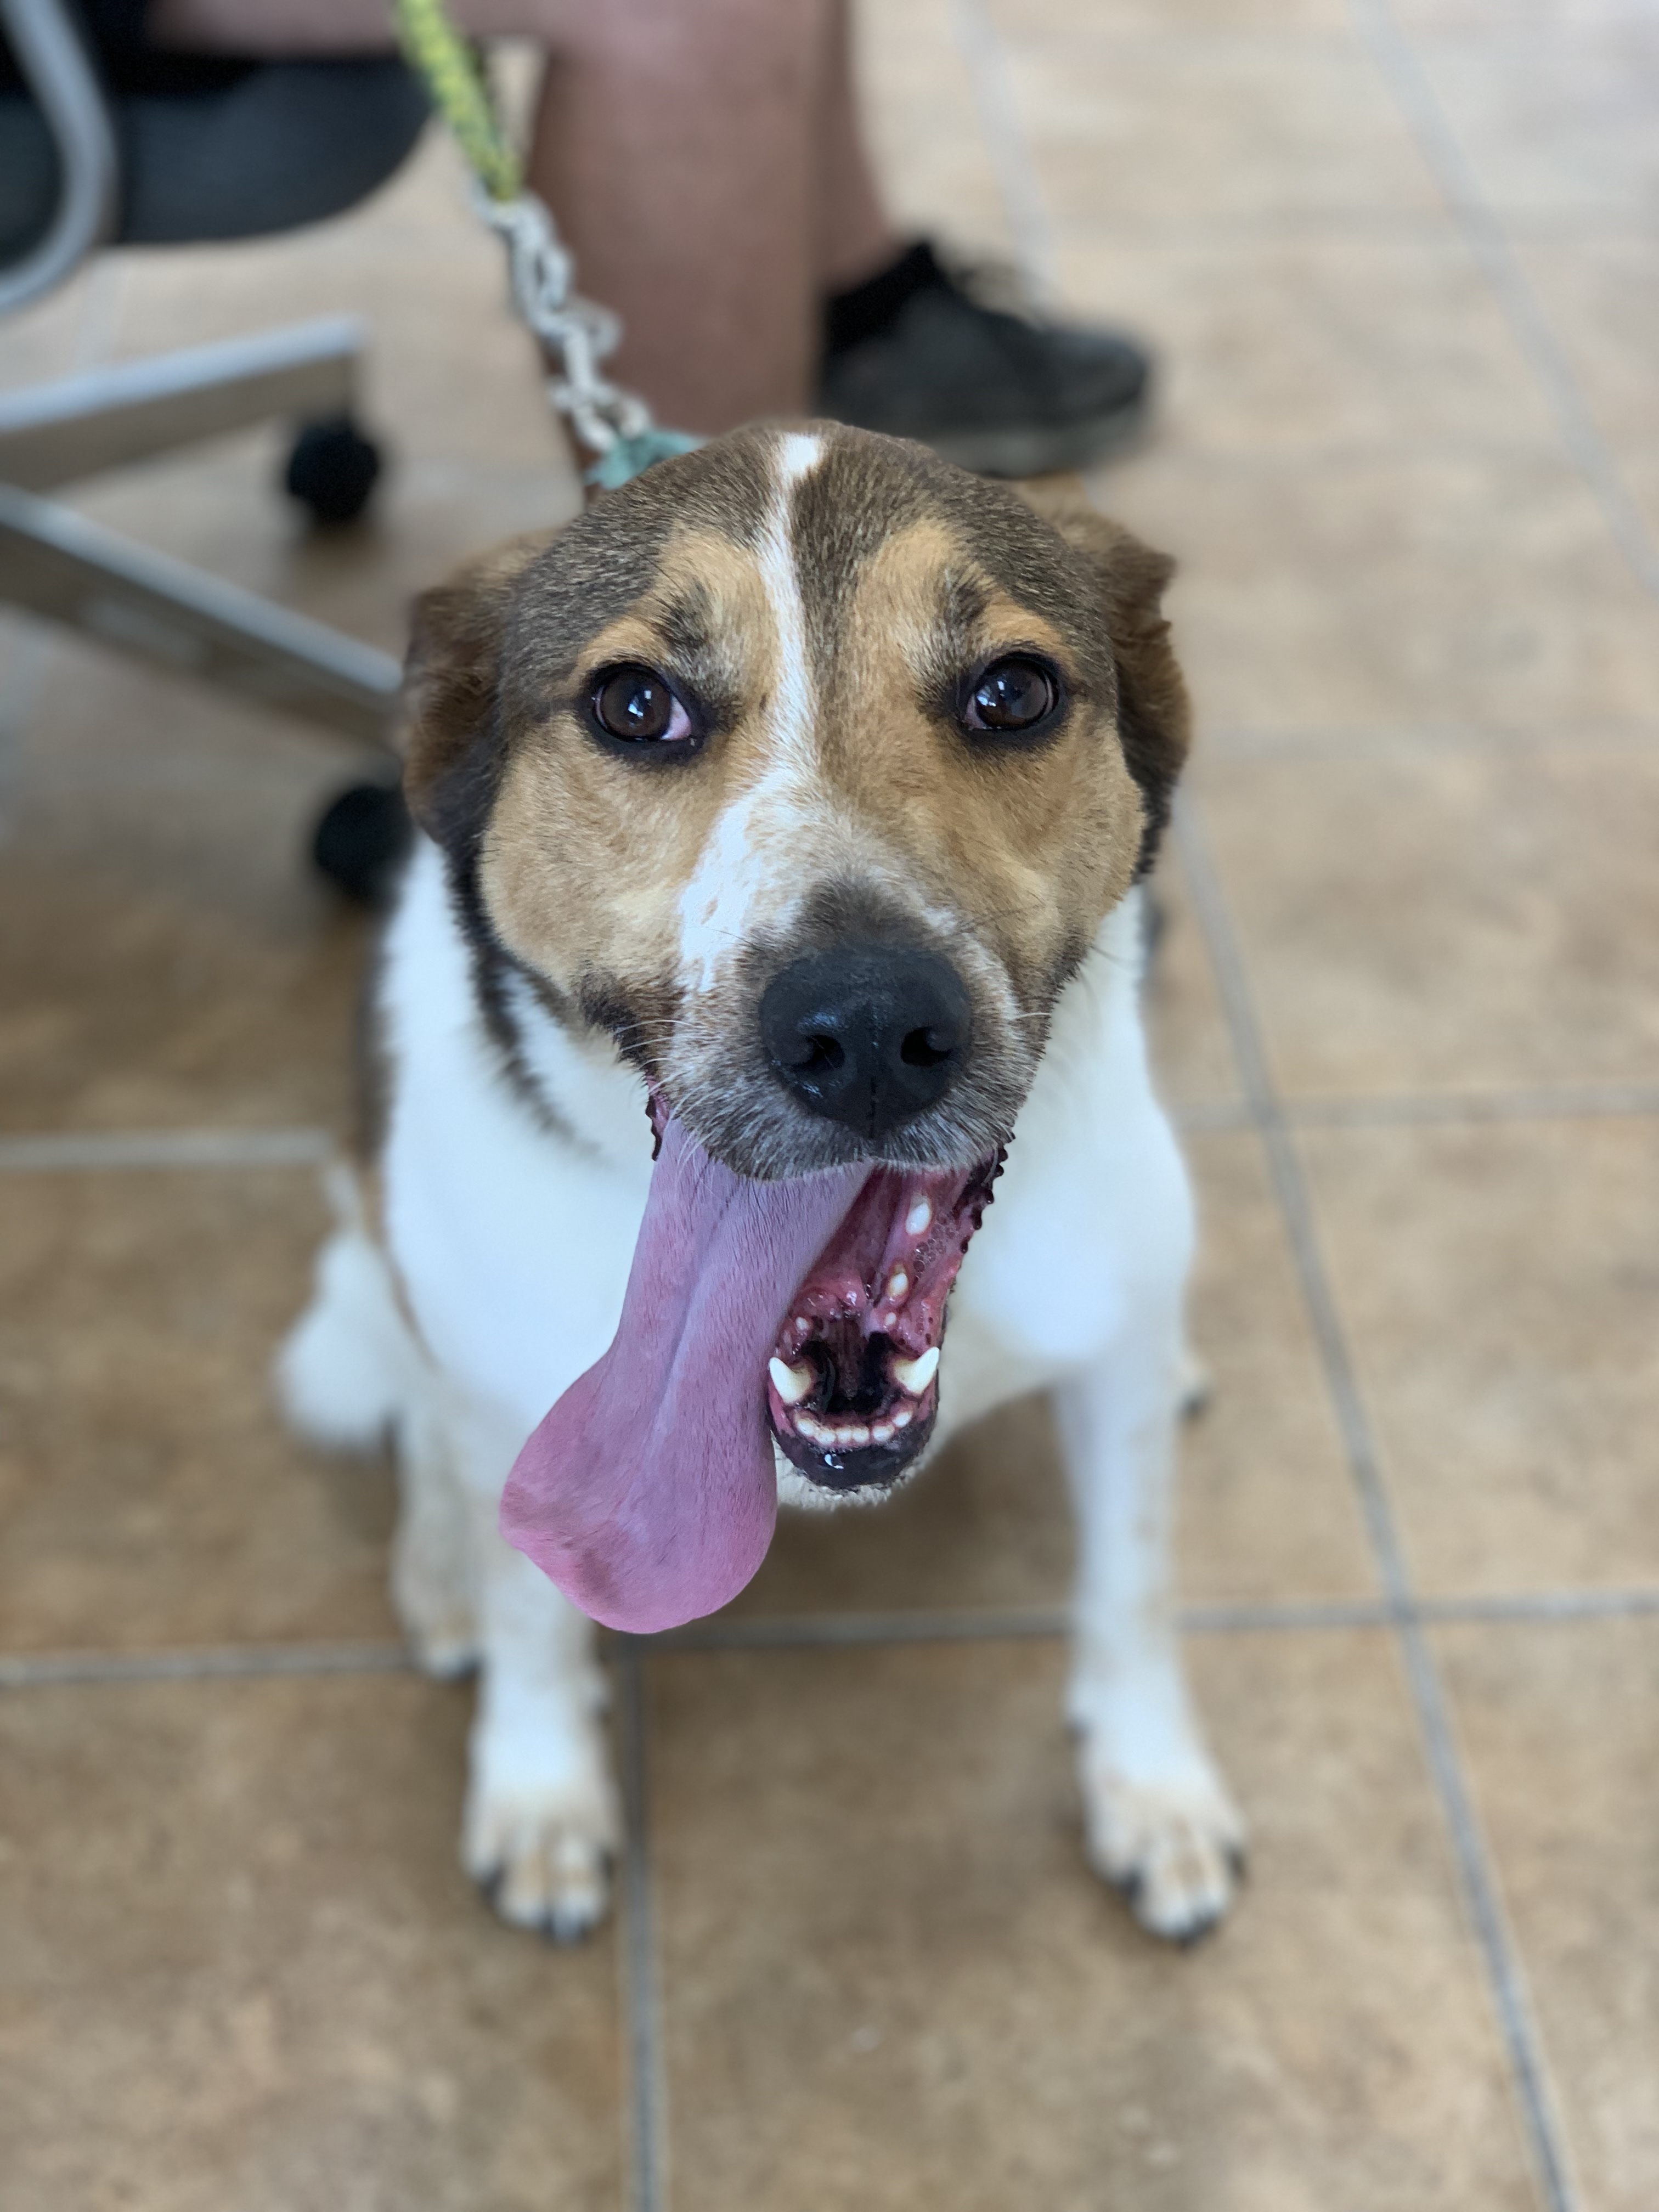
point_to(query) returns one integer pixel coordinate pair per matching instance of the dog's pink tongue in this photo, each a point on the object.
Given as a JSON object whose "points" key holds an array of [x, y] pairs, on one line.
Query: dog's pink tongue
{"points": [[648, 1493]]}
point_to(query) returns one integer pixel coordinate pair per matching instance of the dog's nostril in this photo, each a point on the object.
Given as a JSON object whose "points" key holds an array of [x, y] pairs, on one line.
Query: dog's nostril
{"points": [[822, 1053], [928, 1047]]}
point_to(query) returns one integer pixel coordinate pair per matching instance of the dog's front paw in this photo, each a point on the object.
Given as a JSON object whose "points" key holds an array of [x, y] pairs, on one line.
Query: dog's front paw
{"points": [[1173, 1843], [540, 1831]]}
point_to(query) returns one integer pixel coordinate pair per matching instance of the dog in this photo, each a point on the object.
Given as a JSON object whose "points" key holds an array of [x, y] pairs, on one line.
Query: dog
{"points": [[774, 918]]}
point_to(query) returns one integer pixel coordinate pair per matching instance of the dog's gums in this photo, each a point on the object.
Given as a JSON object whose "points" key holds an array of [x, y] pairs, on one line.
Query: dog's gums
{"points": [[649, 1491], [851, 1382]]}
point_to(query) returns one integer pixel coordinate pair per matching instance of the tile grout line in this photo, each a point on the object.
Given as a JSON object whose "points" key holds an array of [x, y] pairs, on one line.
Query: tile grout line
{"points": [[1402, 69], [1515, 2020], [53, 1151], [34, 1670], [226, 1662], [648, 2090]]}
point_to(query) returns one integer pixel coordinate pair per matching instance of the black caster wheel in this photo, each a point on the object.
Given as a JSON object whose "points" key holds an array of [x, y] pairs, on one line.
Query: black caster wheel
{"points": [[333, 469], [361, 841]]}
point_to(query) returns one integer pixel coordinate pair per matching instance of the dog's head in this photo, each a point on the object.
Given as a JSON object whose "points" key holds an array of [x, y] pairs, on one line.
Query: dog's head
{"points": [[806, 766]]}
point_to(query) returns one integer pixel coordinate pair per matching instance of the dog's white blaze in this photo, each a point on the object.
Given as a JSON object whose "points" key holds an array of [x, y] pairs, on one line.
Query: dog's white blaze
{"points": [[799, 454], [732, 870]]}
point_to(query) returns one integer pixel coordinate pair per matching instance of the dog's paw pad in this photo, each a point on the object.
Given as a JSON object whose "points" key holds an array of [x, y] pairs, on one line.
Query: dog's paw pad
{"points": [[544, 1865], [1175, 1847]]}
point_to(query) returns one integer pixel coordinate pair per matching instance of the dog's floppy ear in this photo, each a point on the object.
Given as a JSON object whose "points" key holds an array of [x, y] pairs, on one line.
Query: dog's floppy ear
{"points": [[1155, 715], [451, 740]]}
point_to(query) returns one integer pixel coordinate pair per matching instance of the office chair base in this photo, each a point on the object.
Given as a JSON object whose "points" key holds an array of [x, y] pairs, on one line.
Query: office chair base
{"points": [[59, 564]]}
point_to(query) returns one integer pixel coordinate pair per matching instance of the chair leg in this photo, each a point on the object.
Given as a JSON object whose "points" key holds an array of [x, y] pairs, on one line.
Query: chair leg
{"points": [[51, 434], [58, 563]]}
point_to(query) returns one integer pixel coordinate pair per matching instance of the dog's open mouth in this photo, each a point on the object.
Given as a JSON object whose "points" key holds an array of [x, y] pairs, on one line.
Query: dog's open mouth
{"points": [[807, 1311], [851, 1385]]}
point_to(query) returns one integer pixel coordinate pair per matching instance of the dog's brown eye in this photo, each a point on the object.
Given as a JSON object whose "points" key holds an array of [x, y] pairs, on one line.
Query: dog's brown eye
{"points": [[636, 704], [1013, 694]]}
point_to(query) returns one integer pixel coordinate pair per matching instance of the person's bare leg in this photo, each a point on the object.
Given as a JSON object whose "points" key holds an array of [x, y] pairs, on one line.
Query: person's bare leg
{"points": [[702, 157], [680, 143], [855, 236]]}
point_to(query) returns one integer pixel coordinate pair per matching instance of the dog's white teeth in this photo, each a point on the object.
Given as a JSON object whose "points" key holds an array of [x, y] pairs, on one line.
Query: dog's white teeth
{"points": [[915, 1375], [856, 1435], [904, 1417], [792, 1384], [881, 1432], [814, 1431], [897, 1283], [919, 1219]]}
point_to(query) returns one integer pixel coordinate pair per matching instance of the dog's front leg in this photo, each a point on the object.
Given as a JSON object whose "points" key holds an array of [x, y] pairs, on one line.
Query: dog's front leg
{"points": [[1159, 1823], [541, 1822]]}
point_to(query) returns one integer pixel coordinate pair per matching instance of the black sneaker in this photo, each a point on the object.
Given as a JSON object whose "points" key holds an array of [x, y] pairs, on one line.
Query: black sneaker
{"points": [[913, 352]]}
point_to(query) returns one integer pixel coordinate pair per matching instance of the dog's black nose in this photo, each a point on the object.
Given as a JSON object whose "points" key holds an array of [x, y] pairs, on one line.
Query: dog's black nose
{"points": [[867, 1035]]}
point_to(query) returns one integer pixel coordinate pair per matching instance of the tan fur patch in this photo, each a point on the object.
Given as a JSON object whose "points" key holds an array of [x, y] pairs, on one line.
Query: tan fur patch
{"points": [[587, 857], [1028, 845]]}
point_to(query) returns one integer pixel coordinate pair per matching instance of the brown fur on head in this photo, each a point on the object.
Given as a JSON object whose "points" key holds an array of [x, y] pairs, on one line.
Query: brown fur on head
{"points": [[823, 600]]}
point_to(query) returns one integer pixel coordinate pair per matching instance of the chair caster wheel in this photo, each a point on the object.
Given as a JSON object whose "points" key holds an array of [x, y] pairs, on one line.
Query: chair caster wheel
{"points": [[333, 469], [360, 840]]}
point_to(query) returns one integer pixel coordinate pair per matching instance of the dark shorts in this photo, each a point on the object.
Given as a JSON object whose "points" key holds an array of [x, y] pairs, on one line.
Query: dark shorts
{"points": [[128, 63]]}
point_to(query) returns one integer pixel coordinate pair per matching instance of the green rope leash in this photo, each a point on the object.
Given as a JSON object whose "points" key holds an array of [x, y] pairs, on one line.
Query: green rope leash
{"points": [[615, 424], [437, 51]]}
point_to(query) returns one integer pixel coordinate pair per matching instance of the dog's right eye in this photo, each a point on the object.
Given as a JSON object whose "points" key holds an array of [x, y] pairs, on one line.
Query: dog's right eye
{"points": [[640, 707]]}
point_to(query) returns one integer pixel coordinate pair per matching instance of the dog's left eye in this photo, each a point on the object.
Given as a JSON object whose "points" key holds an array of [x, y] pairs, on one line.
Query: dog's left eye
{"points": [[637, 705], [1013, 694]]}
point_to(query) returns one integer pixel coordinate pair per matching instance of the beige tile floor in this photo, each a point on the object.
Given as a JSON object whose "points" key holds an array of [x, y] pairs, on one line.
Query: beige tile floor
{"points": [[1399, 258]]}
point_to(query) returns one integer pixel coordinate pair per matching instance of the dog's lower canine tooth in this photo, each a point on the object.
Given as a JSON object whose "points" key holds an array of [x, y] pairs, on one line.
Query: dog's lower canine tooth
{"points": [[919, 1219], [791, 1384], [915, 1375]]}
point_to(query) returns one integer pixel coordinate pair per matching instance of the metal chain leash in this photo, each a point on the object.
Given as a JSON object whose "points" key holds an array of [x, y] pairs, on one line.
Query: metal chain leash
{"points": [[613, 424]]}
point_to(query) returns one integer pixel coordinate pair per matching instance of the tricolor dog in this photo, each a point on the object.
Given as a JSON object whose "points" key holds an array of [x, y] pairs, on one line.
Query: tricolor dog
{"points": [[766, 1098]]}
